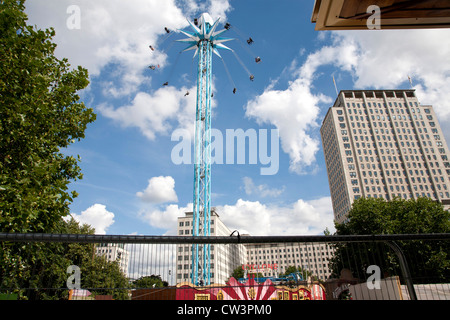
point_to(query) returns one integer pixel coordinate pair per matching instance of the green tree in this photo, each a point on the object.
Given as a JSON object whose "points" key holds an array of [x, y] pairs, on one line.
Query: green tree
{"points": [[41, 268], [398, 216], [98, 275], [237, 273], [303, 272], [150, 282], [40, 113], [293, 269], [427, 259]]}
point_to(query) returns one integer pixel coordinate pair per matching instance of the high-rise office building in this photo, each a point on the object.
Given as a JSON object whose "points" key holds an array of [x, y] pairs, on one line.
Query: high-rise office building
{"points": [[383, 144]]}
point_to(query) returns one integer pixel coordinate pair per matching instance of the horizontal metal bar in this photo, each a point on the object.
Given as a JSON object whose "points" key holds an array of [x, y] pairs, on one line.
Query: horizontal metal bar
{"points": [[85, 238]]}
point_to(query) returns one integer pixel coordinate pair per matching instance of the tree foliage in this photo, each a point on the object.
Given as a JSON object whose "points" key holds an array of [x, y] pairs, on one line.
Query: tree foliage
{"points": [[152, 281], [40, 113], [426, 259], [304, 272], [398, 216], [237, 273], [38, 271]]}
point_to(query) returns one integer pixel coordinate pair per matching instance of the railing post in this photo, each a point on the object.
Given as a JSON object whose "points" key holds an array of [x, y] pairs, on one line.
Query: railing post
{"points": [[404, 267]]}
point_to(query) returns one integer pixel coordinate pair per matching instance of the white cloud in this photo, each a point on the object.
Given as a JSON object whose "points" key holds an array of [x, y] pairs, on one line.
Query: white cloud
{"points": [[300, 218], [294, 112], [97, 217], [216, 8], [383, 60], [112, 42], [261, 190], [147, 259], [255, 218], [156, 113], [159, 190], [117, 31], [219, 9], [375, 60], [165, 218], [111, 31]]}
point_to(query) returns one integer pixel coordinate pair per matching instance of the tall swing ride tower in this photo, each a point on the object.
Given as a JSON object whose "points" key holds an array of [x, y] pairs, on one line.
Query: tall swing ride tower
{"points": [[205, 40]]}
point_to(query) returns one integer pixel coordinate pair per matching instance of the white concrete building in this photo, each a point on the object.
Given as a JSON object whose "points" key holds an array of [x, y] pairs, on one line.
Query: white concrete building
{"points": [[383, 144], [270, 259], [114, 252], [224, 257]]}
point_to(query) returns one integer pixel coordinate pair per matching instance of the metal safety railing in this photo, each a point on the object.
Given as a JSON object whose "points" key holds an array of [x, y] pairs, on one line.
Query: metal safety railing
{"points": [[127, 267]]}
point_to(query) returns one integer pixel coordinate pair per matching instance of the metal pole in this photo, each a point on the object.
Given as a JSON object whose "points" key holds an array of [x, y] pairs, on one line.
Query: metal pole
{"points": [[205, 40], [405, 269], [202, 171]]}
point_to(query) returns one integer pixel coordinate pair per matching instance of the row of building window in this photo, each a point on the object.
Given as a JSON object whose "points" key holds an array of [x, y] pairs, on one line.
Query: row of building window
{"points": [[342, 125], [383, 106], [383, 118], [190, 231], [188, 223], [300, 249]]}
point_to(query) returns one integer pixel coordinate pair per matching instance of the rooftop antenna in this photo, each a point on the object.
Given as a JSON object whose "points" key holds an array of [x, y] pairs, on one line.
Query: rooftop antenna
{"points": [[410, 82], [335, 87]]}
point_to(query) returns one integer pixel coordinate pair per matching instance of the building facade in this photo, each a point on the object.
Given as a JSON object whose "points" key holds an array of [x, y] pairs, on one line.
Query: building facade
{"points": [[268, 259], [224, 257], [114, 252], [273, 259], [383, 144]]}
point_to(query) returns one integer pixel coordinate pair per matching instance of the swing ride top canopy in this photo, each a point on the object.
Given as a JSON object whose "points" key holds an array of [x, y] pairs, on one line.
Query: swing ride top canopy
{"points": [[203, 33]]}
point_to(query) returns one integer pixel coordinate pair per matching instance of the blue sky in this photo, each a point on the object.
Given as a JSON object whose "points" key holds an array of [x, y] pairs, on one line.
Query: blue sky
{"points": [[131, 184]]}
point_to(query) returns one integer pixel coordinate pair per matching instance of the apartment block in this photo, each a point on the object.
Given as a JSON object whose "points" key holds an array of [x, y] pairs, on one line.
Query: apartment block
{"points": [[268, 259], [383, 144], [273, 259]]}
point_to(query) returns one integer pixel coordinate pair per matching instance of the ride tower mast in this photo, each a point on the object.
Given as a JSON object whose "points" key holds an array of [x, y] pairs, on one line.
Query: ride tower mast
{"points": [[205, 40]]}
